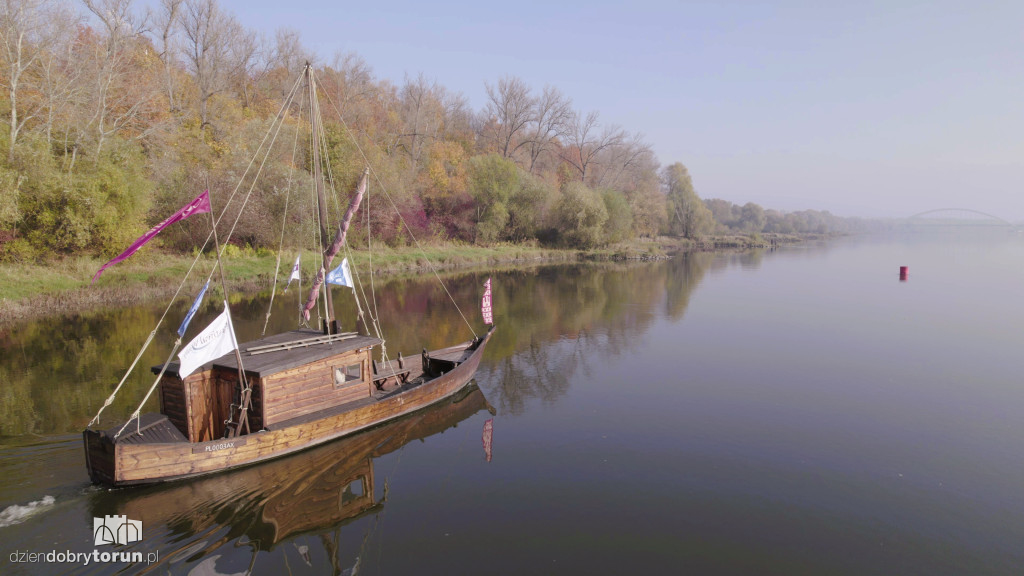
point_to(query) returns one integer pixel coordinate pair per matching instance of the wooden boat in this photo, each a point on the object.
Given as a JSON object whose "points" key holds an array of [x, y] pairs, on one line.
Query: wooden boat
{"points": [[277, 395], [298, 403], [315, 491]]}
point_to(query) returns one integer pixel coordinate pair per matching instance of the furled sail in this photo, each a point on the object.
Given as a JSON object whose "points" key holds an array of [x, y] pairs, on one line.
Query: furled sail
{"points": [[335, 247]]}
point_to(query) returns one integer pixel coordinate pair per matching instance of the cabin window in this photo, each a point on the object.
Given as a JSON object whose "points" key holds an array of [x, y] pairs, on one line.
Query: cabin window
{"points": [[349, 374], [354, 491]]}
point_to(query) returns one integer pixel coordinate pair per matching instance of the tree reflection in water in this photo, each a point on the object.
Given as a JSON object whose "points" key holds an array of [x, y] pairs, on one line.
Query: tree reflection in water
{"points": [[551, 318], [561, 316]]}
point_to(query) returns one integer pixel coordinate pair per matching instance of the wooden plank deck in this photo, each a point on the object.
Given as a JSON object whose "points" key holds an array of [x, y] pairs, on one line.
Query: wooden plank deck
{"points": [[268, 363], [154, 428]]}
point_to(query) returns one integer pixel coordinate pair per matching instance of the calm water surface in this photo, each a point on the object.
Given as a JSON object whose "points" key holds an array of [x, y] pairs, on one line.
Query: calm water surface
{"points": [[792, 412]]}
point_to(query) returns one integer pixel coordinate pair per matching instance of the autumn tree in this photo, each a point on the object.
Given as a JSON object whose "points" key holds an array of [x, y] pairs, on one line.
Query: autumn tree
{"points": [[422, 116], [165, 28], [620, 159], [580, 216], [722, 211], [458, 119], [619, 225], [529, 208], [510, 107], [493, 181], [358, 101], [61, 77], [776, 222], [445, 192], [28, 31], [551, 114], [647, 203], [122, 96], [214, 47], [687, 215], [752, 218], [749, 218], [585, 142]]}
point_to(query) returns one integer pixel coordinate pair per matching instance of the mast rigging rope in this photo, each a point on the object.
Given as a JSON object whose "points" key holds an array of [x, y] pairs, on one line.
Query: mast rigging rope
{"points": [[400, 217], [195, 261]]}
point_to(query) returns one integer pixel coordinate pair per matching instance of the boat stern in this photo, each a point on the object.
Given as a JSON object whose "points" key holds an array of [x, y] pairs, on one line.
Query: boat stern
{"points": [[100, 456]]}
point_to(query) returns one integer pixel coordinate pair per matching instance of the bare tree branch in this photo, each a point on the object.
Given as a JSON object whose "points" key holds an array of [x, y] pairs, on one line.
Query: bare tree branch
{"points": [[552, 112], [210, 52], [28, 30], [512, 107], [585, 144]]}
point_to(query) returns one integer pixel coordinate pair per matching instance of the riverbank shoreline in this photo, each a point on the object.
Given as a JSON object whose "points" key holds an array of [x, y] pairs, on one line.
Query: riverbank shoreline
{"points": [[63, 287]]}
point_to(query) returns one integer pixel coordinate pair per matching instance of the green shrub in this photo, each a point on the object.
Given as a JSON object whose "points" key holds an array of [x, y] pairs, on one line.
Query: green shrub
{"points": [[17, 251], [580, 216], [98, 208], [619, 225], [493, 180]]}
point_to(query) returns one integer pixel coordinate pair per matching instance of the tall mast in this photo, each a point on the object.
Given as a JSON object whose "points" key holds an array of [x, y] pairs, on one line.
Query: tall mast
{"points": [[314, 124]]}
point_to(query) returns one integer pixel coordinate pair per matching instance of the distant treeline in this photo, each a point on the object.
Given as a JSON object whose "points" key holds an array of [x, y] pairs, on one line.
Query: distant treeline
{"points": [[752, 218], [117, 116]]}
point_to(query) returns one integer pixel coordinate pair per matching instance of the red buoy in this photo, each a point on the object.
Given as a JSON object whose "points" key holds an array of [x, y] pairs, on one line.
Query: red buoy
{"points": [[904, 271]]}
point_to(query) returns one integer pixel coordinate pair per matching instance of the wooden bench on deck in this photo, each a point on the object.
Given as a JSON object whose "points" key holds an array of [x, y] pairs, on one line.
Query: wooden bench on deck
{"points": [[392, 369]]}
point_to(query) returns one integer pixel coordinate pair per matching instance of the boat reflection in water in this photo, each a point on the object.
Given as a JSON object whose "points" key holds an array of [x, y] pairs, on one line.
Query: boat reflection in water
{"points": [[314, 492]]}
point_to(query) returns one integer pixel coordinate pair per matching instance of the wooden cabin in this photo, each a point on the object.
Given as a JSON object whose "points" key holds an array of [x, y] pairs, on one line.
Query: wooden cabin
{"points": [[295, 376]]}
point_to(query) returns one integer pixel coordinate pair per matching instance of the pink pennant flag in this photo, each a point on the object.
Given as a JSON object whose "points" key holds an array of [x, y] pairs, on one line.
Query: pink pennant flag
{"points": [[200, 205], [485, 304], [488, 436]]}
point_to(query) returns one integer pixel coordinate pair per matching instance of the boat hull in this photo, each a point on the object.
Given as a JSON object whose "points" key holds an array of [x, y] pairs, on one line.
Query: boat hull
{"points": [[123, 464]]}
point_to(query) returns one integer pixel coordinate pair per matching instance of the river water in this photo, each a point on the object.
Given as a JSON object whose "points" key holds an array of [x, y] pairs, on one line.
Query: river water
{"points": [[799, 411]]}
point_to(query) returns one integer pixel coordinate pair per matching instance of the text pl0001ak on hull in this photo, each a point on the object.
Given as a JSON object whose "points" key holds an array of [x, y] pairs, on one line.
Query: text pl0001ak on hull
{"points": [[226, 405], [307, 389]]}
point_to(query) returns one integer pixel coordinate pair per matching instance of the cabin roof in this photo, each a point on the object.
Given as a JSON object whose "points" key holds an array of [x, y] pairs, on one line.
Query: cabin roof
{"points": [[296, 349]]}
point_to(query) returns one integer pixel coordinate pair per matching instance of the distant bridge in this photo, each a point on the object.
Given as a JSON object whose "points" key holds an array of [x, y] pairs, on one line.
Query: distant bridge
{"points": [[957, 217]]}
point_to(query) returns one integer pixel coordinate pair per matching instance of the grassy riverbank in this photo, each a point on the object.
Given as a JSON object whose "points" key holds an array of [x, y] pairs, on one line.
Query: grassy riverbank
{"points": [[64, 286]]}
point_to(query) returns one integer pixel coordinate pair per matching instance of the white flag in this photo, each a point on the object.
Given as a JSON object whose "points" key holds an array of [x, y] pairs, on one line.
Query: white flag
{"points": [[215, 341], [341, 275], [295, 273]]}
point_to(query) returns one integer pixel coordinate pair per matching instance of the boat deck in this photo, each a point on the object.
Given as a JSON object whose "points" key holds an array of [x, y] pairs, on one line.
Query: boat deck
{"points": [[458, 354], [150, 429], [282, 352]]}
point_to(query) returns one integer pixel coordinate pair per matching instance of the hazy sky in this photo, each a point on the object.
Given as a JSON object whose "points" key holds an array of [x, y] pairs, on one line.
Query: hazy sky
{"points": [[861, 108]]}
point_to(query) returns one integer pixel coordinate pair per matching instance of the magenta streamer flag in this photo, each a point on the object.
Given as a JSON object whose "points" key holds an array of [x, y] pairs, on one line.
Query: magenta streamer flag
{"points": [[200, 205], [485, 304]]}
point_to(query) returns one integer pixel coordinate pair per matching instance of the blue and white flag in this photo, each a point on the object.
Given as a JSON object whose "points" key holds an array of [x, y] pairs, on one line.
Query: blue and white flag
{"points": [[341, 275], [215, 341], [192, 310], [295, 272]]}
